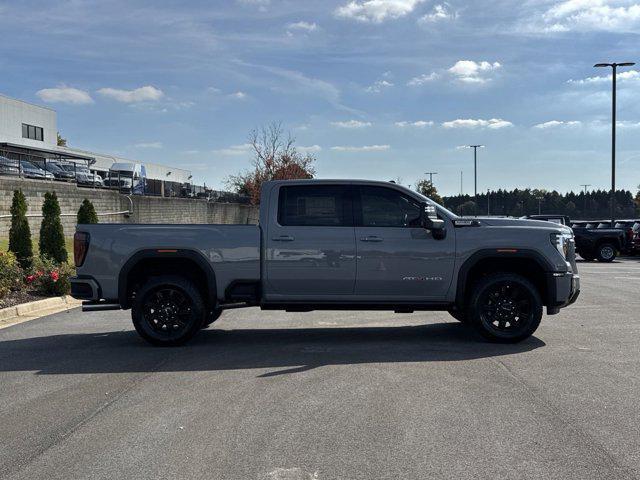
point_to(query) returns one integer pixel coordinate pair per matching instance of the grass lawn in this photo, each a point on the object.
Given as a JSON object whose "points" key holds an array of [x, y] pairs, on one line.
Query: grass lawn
{"points": [[68, 241]]}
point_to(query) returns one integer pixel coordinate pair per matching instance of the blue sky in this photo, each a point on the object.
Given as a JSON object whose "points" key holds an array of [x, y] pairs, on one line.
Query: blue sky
{"points": [[375, 89]]}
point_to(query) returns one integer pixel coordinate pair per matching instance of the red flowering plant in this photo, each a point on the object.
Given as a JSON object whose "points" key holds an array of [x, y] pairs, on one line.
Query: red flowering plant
{"points": [[49, 277]]}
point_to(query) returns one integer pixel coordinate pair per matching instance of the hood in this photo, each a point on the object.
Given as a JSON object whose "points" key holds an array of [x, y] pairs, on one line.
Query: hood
{"points": [[517, 222]]}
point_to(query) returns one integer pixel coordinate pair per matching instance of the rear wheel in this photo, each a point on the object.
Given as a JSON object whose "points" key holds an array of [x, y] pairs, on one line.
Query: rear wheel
{"points": [[505, 308], [606, 253], [168, 310]]}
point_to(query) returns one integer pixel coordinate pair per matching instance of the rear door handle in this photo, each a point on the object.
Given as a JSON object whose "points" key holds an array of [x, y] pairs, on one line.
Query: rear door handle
{"points": [[283, 238], [371, 238]]}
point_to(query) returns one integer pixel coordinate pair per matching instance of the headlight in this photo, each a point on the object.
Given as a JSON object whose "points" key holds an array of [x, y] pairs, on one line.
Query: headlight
{"points": [[561, 242]]}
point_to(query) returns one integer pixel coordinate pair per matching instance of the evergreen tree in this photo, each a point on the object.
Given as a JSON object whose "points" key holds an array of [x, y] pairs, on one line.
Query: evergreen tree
{"points": [[87, 213], [20, 234], [51, 232]]}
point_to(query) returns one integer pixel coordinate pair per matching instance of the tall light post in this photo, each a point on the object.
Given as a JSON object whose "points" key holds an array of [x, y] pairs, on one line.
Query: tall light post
{"points": [[475, 168], [585, 185], [614, 71]]}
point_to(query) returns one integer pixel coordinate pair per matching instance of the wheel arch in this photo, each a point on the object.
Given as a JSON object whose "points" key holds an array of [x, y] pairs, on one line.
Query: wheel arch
{"points": [[149, 262], [528, 263]]}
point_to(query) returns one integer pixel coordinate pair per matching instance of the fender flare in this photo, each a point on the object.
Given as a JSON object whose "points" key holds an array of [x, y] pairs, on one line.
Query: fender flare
{"points": [[475, 258], [167, 253]]}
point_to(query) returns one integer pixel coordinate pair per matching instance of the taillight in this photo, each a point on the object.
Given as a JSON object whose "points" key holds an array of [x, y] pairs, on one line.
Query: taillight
{"points": [[80, 247]]}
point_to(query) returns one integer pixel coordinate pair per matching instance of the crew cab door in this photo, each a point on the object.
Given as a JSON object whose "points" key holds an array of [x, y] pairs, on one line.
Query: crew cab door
{"points": [[396, 257], [310, 243]]}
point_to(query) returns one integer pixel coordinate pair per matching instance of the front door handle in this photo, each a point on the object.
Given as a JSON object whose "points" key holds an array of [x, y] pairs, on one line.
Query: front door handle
{"points": [[371, 238], [283, 238]]}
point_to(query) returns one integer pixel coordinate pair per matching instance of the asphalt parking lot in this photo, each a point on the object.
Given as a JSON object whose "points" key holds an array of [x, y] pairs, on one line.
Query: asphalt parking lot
{"points": [[329, 395]]}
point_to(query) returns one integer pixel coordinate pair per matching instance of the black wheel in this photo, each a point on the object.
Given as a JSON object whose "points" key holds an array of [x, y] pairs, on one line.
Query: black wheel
{"points": [[460, 315], [212, 317], [606, 253], [168, 310], [505, 308]]}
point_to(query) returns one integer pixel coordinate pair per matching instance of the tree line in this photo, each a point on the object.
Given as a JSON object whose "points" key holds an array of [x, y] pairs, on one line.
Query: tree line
{"points": [[593, 205]]}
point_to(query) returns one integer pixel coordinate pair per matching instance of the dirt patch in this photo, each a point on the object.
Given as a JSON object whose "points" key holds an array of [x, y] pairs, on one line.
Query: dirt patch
{"points": [[16, 298]]}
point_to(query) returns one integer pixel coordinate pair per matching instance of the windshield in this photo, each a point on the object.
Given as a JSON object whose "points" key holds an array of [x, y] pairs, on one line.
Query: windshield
{"points": [[29, 166]]}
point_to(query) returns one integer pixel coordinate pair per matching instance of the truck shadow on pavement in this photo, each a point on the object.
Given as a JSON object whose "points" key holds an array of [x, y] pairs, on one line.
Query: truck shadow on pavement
{"points": [[279, 351]]}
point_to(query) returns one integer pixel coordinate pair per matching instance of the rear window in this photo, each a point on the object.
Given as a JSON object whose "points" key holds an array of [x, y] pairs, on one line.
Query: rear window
{"points": [[316, 205]]}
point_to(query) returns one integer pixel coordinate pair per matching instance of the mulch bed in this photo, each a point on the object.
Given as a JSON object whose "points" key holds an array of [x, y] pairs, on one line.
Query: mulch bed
{"points": [[16, 298]]}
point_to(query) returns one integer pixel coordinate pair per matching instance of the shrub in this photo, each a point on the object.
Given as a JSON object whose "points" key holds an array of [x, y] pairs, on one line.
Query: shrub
{"points": [[20, 234], [10, 274], [87, 213], [51, 233], [50, 277]]}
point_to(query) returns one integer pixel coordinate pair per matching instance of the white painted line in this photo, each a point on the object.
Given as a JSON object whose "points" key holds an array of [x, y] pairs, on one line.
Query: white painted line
{"points": [[627, 278]]}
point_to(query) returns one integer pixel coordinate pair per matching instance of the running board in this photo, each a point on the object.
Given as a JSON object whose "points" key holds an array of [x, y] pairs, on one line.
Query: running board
{"points": [[99, 307]]}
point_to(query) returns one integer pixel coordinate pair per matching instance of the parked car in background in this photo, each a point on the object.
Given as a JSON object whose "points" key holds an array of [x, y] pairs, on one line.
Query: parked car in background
{"points": [[31, 170], [58, 171], [594, 239], [635, 241], [9, 166]]}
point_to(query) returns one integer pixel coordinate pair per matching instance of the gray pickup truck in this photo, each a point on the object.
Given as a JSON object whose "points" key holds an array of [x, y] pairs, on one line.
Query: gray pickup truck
{"points": [[330, 244]]}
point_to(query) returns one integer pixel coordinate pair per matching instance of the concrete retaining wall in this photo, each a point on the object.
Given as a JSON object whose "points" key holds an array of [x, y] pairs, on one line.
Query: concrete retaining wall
{"points": [[145, 209]]}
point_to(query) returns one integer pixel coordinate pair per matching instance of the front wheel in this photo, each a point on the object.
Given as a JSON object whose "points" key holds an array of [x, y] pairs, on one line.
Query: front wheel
{"points": [[606, 253], [505, 308], [168, 310]]}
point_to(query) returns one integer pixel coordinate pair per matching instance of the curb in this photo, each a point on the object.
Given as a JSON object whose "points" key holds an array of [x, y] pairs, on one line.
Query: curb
{"points": [[30, 311]]}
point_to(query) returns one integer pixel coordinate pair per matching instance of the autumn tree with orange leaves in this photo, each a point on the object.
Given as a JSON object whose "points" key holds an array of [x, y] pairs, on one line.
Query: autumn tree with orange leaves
{"points": [[275, 158]]}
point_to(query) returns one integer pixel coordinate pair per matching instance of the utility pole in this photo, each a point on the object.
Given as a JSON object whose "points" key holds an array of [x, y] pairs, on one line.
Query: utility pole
{"points": [[488, 203], [475, 170], [585, 185], [614, 72], [431, 174], [461, 183]]}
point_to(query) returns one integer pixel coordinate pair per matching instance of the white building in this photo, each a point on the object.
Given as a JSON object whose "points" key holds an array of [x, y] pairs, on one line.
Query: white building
{"points": [[29, 132]]}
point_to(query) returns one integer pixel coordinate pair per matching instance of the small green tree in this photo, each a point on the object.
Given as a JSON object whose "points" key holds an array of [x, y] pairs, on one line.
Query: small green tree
{"points": [[20, 234], [51, 233], [87, 213], [426, 188]]}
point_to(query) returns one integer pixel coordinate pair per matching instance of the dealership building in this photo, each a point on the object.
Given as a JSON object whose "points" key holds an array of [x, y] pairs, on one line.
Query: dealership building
{"points": [[29, 132]]}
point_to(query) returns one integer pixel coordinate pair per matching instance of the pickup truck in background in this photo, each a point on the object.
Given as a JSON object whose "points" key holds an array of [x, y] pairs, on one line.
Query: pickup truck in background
{"points": [[594, 239], [332, 245]]}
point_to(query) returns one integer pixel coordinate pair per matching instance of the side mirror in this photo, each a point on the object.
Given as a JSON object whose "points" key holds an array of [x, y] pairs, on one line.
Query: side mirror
{"points": [[429, 220]]}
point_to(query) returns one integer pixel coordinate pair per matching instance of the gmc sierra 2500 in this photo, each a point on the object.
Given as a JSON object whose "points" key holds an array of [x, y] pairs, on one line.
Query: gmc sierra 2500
{"points": [[330, 244]]}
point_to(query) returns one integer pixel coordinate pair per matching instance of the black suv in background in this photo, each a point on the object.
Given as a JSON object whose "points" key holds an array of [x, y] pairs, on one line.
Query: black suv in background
{"points": [[594, 239]]}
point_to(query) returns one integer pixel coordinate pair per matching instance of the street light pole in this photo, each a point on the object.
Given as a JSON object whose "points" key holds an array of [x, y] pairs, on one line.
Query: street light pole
{"points": [[475, 170], [614, 71], [585, 185]]}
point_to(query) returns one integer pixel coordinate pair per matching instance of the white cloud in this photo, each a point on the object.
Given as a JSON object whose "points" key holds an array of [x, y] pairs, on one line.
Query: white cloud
{"points": [[493, 123], [469, 71], [422, 79], [378, 86], [417, 124], [589, 15], [233, 150], [142, 94], [309, 149], [625, 124], [155, 145], [303, 26], [238, 95], [364, 148], [439, 13], [64, 94], [376, 11], [351, 124], [557, 124], [622, 76]]}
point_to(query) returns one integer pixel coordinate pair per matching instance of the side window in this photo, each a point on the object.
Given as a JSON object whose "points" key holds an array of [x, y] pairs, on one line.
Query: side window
{"points": [[315, 205], [385, 207]]}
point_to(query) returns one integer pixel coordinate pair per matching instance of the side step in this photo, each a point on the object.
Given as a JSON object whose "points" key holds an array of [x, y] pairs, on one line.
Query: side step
{"points": [[99, 306]]}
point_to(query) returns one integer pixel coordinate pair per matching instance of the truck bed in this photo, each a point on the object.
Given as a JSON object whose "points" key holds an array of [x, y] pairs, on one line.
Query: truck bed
{"points": [[232, 250]]}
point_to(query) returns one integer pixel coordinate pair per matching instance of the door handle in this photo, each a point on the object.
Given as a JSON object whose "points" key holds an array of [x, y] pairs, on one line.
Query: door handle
{"points": [[371, 238], [283, 238]]}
